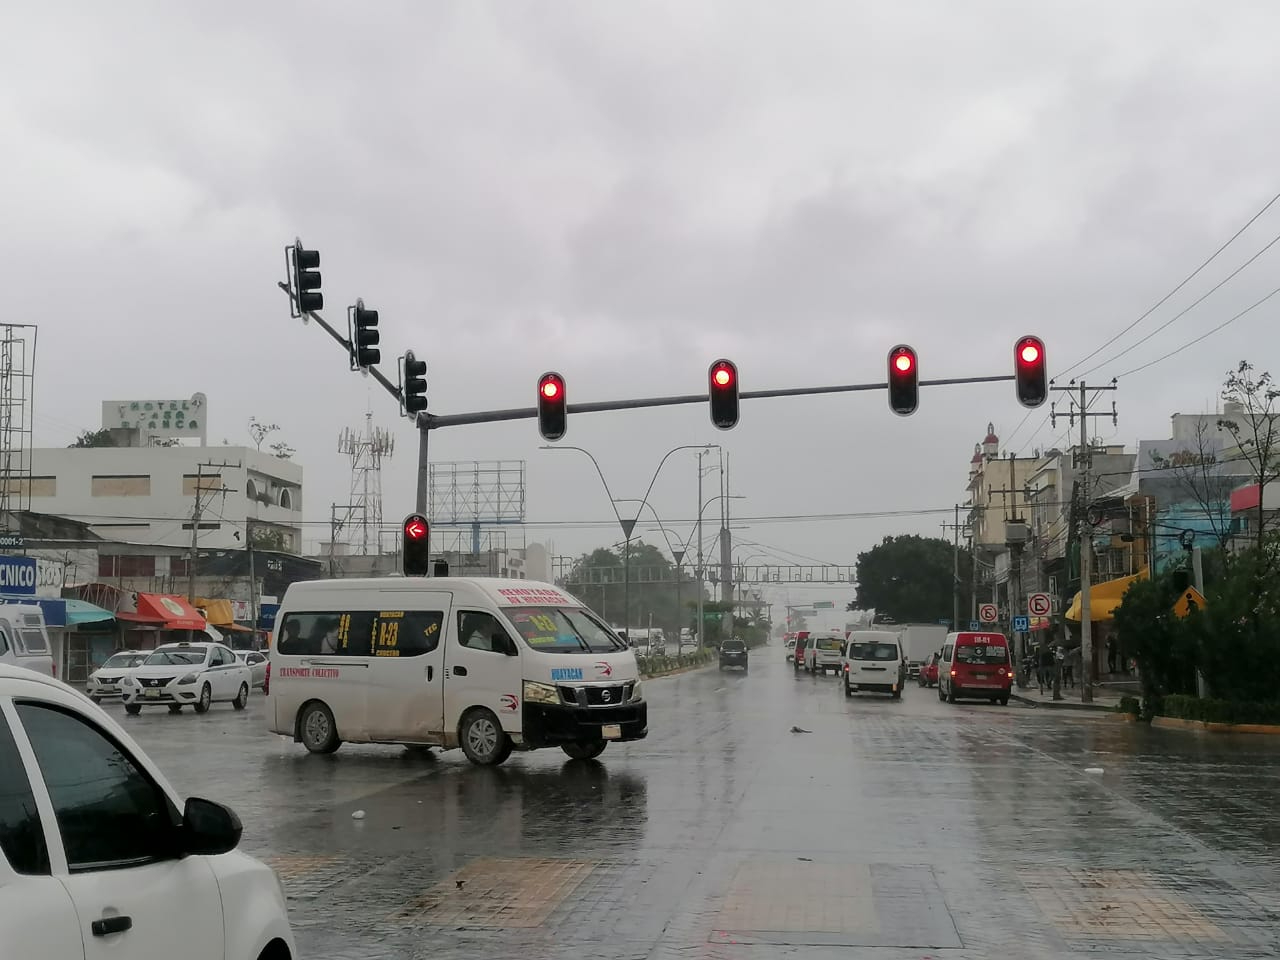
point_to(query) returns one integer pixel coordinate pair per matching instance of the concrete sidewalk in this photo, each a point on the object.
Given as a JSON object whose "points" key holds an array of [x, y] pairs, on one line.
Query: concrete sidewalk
{"points": [[1104, 698]]}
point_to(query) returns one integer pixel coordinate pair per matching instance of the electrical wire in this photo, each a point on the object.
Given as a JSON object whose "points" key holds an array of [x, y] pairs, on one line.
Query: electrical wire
{"points": [[1163, 300], [1182, 313], [1204, 336]]}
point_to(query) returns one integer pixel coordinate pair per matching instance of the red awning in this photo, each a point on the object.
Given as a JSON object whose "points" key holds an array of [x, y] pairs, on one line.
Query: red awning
{"points": [[166, 611]]}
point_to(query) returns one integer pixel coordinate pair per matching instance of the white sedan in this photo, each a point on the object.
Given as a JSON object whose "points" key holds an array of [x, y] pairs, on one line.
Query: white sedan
{"points": [[100, 857], [178, 674], [256, 661], [105, 681]]}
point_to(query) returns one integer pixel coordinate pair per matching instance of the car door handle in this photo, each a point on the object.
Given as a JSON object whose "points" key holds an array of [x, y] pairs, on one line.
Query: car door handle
{"points": [[110, 925], [430, 672], [459, 671]]}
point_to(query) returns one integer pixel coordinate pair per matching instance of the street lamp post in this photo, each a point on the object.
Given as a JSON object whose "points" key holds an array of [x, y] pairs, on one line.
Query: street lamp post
{"points": [[700, 569], [628, 526], [677, 554]]}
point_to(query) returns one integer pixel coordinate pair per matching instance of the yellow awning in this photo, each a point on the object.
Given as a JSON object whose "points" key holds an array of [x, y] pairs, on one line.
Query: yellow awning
{"points": [[1104, 597], [217, 612]]}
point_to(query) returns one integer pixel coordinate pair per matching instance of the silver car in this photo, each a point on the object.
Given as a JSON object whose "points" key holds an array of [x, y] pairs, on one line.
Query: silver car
{"points": [[256, 661]]}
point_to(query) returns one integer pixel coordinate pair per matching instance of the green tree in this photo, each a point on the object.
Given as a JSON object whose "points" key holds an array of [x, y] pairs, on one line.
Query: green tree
{"points": [[597, 578], [1166, 652], [1258, 435], [94, 438], [909, 578]]}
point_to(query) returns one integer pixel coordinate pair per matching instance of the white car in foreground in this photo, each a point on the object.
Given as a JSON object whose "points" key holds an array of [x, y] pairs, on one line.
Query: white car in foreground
{"points": [[105, 681], [179, 674], [100, 857]]}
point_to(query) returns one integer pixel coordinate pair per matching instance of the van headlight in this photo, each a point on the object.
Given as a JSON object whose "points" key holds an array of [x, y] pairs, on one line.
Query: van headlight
{"points": [[637, 693], [540, 693]]}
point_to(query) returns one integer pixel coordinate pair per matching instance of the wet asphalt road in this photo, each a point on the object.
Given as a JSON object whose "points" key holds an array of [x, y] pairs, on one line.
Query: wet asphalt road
{"points": [[893, 829]]}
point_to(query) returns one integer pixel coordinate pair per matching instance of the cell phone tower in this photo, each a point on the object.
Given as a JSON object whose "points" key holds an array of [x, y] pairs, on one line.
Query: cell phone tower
{"points": [[17, 396], [367, 449]]}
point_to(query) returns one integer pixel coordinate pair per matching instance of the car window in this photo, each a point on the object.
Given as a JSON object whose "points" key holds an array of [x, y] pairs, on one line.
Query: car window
{"points": [[176, 656], [4, 643], [569, 630], [121, 661], [982, 654], [360, 633], [733, 646], [946, 653], [110, 814], [476, 631], [21, 834], [32, 640]]}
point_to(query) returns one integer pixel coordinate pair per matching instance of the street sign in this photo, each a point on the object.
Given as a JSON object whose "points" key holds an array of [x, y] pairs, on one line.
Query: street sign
{"points": [[975, 625], [12, 541], [1021, 624], [988, 613], [824, 605], [1039, 605]]}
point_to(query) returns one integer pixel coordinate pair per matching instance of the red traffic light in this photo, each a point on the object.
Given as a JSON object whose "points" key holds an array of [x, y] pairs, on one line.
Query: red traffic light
{"points": [[1030, 372], [903, 362], [551, 388], [415, 528], [723, 394], [722, 375], [904, 384], [1029, 353], [553, 409]]}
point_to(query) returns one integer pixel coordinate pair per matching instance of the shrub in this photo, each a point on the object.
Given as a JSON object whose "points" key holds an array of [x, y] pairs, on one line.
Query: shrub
{"points": [[1130, 705], [1220, 711]]}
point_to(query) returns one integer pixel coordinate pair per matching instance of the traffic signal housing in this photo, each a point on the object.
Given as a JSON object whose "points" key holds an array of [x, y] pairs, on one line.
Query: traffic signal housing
{"points": [[306, 279], [413, 386], [553, 417], [904, 380], [1030, 371], [416, 547], [722, 391], [364, 337]]}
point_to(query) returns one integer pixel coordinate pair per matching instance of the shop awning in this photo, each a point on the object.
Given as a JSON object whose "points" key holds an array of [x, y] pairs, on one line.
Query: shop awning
{"points": [[1104, 598], [59, 612], [220, 614], [166, 611], [81, 611]]}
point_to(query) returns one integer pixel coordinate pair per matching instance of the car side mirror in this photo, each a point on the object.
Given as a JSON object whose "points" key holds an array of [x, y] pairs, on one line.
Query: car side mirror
{"points": [[209, 828]]}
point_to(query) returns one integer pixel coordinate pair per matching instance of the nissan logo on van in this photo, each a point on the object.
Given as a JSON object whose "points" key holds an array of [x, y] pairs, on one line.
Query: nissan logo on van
{"points": [[606, 696]]}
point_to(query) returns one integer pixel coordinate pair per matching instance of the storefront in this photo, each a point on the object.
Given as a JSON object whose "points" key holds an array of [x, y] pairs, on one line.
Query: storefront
{"points": [[221, 615], [1109, 655], [71, 625]]}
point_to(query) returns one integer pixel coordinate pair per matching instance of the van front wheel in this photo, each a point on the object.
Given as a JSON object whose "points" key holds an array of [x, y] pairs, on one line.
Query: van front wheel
{"points": [[585, 750], [318, 732], [483, 740]]}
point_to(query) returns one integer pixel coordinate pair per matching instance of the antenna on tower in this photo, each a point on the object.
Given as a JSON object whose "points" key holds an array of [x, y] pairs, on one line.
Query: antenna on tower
{"points": [[367, 449]]}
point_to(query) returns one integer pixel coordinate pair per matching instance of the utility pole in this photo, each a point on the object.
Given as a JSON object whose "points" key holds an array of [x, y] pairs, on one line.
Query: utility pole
{"points": [[955, 568], [701, 613], [197, 513], [253, 578], [1013, 517], [1081, 409]]}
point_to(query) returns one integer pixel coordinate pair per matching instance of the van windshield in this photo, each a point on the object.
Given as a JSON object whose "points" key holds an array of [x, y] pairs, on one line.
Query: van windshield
{"points": [[982, 653], [873, 651], [562, 630]]}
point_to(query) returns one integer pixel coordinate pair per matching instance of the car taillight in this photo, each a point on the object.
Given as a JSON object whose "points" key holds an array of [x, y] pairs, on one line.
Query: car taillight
{"points": [[953, 673]]}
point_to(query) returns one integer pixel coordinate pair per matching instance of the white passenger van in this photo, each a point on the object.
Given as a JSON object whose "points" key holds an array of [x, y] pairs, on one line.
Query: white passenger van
{"points": [[24, 641], [484, 664], [873, 661]]}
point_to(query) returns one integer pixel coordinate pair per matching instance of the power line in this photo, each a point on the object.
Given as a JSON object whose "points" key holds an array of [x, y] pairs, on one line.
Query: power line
{"points": [[1163, 300], [1184, 312], [1205, 336]]}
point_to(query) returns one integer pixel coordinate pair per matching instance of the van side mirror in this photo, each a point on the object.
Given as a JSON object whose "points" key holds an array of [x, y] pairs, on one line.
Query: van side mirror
{"points": [[504, 643]]}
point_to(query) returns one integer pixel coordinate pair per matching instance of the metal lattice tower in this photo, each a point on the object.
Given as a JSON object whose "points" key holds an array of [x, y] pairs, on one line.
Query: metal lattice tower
{"points": [[17, 397], [363, 521], [476, 494]]}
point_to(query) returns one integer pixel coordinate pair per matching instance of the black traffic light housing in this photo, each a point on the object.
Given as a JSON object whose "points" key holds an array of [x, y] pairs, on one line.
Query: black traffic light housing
{"points": [[553, 417], [413, 385], [722, 391], [904, 380], [416, 545], [306, 279], [1030, 371], [364, 337]]}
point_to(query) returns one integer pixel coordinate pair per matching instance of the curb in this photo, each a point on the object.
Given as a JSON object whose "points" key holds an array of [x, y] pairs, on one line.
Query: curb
{"points": [[676, 672], [1177, 723], [1065, 704]]}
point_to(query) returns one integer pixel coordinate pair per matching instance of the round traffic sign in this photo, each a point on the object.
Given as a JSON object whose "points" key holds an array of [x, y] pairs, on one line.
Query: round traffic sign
{"points": [[988, 613], [1039, 605]]}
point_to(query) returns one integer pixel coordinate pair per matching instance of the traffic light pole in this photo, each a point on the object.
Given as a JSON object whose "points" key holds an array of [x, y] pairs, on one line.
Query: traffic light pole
{"points": [[420, 496]]}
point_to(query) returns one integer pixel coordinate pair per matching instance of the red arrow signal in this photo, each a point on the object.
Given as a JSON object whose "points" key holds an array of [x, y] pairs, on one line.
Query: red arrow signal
{"points": [[415, 528]]}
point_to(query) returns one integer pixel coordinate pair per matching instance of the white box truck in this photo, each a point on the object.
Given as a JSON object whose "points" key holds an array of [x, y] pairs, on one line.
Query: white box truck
{"points": [[918, 641]]}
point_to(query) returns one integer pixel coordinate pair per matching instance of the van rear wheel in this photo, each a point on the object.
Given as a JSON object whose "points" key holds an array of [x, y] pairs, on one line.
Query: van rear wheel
{"points": [[483, 740], [584, 750], [316, 729]]}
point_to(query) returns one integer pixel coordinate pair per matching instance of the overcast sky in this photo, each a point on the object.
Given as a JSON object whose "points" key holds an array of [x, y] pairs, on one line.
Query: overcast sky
{"points": [[623, 193]]}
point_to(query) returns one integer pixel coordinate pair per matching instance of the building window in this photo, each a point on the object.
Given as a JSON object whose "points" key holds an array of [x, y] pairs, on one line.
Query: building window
{"points": [[250, 489], [179, 567], [203, 526], [286, 498], [191, 482], [134, 485], [34, 487], [126, 565]]}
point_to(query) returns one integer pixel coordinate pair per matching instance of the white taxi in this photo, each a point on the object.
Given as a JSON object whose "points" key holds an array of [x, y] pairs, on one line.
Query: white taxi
{"points": [[177, 674], [100, 857], [105, 681]]}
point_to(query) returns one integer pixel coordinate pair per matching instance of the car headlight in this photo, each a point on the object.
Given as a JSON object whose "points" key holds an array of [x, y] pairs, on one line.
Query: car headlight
{"points": [[189, 678], [540, 693], [637, 693]]}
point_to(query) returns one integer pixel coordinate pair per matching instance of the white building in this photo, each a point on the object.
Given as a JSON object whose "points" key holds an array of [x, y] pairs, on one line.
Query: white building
{"points": [[151, 495]]}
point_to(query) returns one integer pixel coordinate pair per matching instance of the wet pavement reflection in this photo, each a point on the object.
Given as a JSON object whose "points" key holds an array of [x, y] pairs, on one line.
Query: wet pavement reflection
{"points": [[891, 829]]}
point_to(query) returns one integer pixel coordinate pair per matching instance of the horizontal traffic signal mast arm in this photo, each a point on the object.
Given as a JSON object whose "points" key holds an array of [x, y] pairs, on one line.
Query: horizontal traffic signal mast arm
{"points": [[435, 421]]}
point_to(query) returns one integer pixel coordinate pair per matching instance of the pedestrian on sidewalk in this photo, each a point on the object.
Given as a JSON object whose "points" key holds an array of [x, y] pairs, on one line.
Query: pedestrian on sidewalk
{"points": [[1044, 667]]}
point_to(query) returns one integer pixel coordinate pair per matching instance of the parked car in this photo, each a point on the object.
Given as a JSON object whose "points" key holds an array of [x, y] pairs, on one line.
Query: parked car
{"points": [[873, 661], [975, 666], [791, 649], [928, 675], [105, 681], [101, 857], [180, 674], [733, 653], [256, 661]]}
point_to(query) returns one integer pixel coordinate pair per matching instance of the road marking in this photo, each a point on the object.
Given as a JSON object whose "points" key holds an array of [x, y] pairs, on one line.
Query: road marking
{"points": [[800, 897]]}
